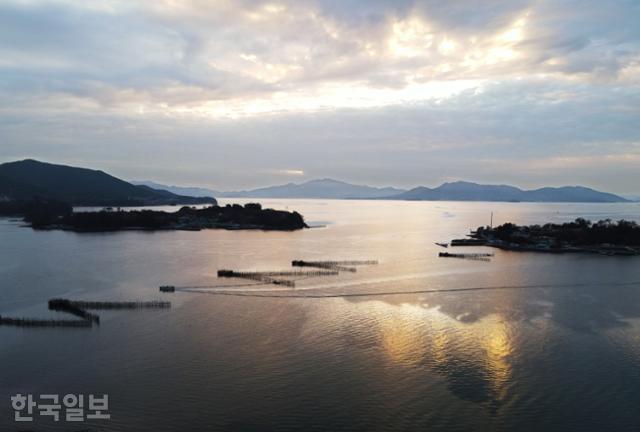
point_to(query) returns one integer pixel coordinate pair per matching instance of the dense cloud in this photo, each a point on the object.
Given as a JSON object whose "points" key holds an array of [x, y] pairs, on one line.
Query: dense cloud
{"points": [[402, 92]]}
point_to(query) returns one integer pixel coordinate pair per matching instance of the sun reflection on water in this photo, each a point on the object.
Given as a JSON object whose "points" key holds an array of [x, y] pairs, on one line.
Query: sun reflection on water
{"points": [[498, 345], [412, 336], [401, 334]]}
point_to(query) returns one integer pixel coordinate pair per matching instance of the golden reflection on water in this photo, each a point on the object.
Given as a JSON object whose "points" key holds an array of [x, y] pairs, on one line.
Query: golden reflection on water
{"points": [[414, 336], [401, 337], [498, 345]]}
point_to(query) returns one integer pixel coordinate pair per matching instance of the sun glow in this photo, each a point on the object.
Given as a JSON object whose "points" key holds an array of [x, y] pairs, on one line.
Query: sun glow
{"points": [[330, 97], [447, 46], [431, 66], [410, 38]]}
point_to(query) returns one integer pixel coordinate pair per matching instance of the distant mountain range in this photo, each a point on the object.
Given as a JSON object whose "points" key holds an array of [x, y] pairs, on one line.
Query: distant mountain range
{"points": [[456, 191], [179, 190], [322, 188], [466, 191], [30, 179]]}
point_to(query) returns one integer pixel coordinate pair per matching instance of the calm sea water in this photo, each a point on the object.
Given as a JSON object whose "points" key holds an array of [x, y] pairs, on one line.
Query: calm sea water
{"points": [[552, 343]]}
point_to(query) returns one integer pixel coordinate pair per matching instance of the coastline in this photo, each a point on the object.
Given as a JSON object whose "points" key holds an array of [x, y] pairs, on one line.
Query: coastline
{"points": [[621, 238], [251, 216]]}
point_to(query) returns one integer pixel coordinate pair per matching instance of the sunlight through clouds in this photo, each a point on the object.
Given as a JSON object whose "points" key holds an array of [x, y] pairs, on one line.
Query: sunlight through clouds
{"points": [[376, 85]]}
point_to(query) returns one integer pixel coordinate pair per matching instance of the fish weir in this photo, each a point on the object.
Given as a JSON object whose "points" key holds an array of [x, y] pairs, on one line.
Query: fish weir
{"points": [[266, 277], [468, 256], [340, 266], [96, 305], [299, 263], [79, 309], [325, 268], [300, 273], [63, 305], [30, 322]]}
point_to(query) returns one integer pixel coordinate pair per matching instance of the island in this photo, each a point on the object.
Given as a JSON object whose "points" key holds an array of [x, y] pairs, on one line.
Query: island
{"points": [[605, 237], [47, 215], [45, 195]]}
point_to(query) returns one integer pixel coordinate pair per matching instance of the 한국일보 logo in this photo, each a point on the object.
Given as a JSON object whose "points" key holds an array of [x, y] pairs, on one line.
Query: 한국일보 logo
{"points": [[69, 408]]}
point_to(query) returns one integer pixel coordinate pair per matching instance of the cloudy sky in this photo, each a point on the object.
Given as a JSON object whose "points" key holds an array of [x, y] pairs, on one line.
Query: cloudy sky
{"points": [[236, 94]]}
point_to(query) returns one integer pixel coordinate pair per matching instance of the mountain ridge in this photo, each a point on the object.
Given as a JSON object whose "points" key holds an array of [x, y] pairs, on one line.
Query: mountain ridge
{"points": [[468, 191], [30, 179], [192, 191], [327, 188], [317, 188]]}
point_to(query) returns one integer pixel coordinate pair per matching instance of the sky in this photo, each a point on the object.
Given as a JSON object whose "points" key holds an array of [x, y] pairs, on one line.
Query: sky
{"points": [[241, 94]]}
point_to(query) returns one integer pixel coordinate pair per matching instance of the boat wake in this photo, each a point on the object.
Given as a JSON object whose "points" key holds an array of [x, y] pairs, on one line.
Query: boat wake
{"points": [[296, 293]]}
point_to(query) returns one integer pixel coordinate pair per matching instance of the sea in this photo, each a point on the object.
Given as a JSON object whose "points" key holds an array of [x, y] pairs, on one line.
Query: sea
{"points": [[523, 341]]}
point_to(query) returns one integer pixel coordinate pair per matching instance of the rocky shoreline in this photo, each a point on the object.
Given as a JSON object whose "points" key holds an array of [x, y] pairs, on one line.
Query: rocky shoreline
{"points": [[621, 238], [53, 216]]}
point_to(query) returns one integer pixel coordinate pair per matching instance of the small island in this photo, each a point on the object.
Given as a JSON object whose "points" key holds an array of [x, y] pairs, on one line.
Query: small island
{"points": [[605, 237], [44, 196], [47, 215]]}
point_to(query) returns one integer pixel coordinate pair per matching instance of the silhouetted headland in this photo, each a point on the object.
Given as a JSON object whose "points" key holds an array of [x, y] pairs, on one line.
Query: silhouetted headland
{"points": [[42, 214], [29, 180], [605, 237]]}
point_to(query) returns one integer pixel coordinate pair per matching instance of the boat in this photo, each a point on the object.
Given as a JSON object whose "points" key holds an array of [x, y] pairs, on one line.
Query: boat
{"points": [[442, 244]]}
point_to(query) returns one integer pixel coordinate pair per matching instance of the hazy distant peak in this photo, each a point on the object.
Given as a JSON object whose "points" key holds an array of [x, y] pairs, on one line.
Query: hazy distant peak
{"points": [[317, 188], [468, 191], [467, 184], [325, 181], [190, 191]]}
